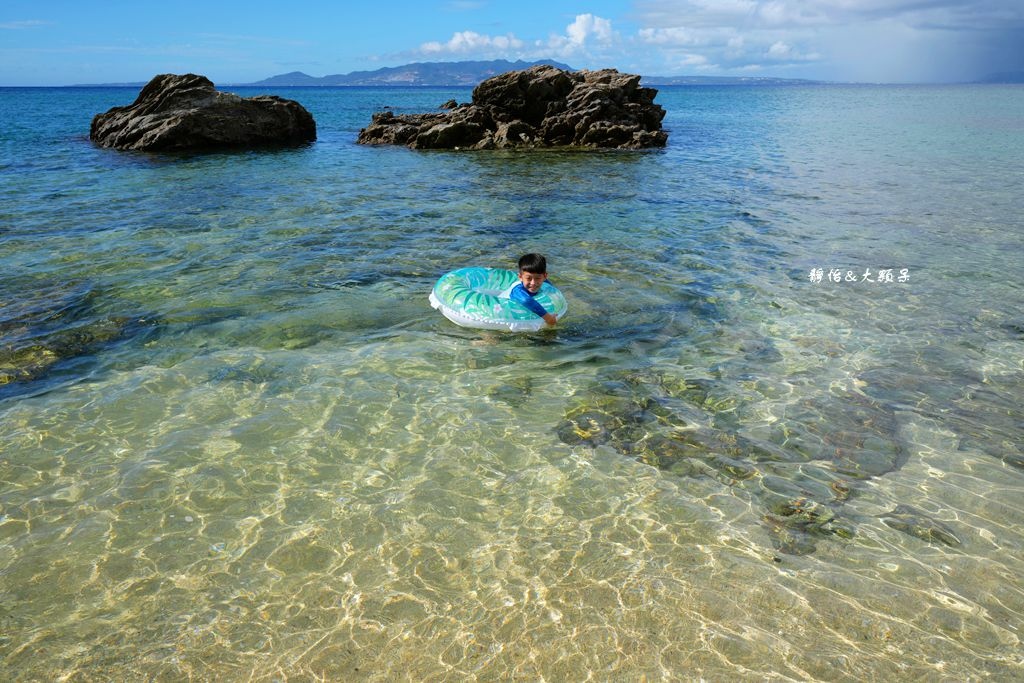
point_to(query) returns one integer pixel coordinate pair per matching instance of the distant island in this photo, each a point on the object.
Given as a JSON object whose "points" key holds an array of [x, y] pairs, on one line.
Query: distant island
{"points": [[467, 73]]}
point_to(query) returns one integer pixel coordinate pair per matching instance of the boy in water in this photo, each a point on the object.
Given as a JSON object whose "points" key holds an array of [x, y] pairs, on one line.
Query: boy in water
{"points": [[533, 272]]}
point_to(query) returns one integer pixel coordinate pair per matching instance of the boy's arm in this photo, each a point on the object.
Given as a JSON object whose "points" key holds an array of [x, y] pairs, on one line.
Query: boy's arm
{"points": [[522, 296]]}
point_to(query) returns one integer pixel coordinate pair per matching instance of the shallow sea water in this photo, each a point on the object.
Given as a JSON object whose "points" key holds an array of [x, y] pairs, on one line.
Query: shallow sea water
{"points": [[238, 444]]}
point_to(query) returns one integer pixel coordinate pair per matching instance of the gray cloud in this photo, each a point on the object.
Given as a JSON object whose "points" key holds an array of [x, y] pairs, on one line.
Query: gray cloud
{"points": [[881, 40], [844, 40], [766, 14]]}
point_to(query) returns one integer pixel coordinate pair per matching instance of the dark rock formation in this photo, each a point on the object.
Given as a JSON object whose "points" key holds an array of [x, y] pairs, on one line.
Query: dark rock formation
{"points": [[542, 106], [179, 113]]}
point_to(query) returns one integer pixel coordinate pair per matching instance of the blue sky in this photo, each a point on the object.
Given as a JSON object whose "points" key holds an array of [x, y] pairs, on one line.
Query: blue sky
{"points": [[60, 42]]}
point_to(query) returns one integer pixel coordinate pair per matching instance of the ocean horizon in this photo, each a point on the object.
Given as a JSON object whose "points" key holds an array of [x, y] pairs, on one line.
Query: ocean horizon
{"points": [[776, 437]]}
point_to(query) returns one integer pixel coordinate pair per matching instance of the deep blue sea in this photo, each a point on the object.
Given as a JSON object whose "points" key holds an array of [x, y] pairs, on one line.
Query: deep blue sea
{"points": [[777, 436]]}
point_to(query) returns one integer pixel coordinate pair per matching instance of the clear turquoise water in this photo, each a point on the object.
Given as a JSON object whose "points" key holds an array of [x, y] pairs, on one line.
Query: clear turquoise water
{"points": [[237, 443]]}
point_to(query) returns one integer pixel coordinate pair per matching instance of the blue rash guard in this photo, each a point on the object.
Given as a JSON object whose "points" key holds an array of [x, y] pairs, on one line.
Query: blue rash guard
{"points": [[520, 294]]}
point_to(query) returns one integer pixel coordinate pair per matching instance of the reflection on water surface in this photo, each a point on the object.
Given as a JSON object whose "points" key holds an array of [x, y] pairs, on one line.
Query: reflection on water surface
{"points": [[237, 442]]}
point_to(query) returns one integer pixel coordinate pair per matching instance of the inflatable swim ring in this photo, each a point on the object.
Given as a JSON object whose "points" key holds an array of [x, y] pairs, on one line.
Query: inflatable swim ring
{"points": [[479, 297]]}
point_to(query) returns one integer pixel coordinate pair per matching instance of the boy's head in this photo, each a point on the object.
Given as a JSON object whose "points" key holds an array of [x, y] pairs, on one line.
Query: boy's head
{"points": [[533, 271]]}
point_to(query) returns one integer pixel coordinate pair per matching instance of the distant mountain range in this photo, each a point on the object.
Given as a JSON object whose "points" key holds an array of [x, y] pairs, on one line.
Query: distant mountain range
{"points": [[421, 73], [469, 73]]}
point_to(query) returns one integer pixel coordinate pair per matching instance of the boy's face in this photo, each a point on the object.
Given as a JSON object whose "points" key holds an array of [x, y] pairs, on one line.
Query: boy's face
{"points": [[532, 281]]}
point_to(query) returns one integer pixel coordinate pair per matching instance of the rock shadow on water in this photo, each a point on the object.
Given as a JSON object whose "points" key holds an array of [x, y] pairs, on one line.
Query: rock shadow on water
{"points": [[51, 334], [917, 523], [984, 416], [516, 393], [380, 277], [802, 474], [252, 372], [641, 330]]}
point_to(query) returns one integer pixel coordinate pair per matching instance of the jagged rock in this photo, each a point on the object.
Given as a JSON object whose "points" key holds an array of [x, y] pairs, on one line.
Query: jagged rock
{"points": [[450, 134], [180, 113], [542, 106], [514, 133]]}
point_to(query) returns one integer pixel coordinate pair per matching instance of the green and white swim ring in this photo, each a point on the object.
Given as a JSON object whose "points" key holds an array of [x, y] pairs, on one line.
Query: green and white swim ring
{"points": [[479, 297]]}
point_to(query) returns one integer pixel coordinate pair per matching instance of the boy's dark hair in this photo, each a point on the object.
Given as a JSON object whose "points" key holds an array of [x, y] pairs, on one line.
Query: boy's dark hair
{"points": [[533, 263]]}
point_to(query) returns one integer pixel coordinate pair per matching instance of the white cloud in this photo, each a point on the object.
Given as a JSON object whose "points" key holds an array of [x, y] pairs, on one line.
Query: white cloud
{"points": [[781, 51], [586, 33], [780, 14], [592, 39], [676, 36], [587, 25], [586, 36], [22, 25], [692, 60], [468, 42], [742, 35], [833, 39]]}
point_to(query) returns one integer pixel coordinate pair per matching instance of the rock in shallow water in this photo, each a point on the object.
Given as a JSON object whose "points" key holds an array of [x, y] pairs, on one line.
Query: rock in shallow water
{"points": [[914, 522], [542, 106], [186, 113], [53, 326]]}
